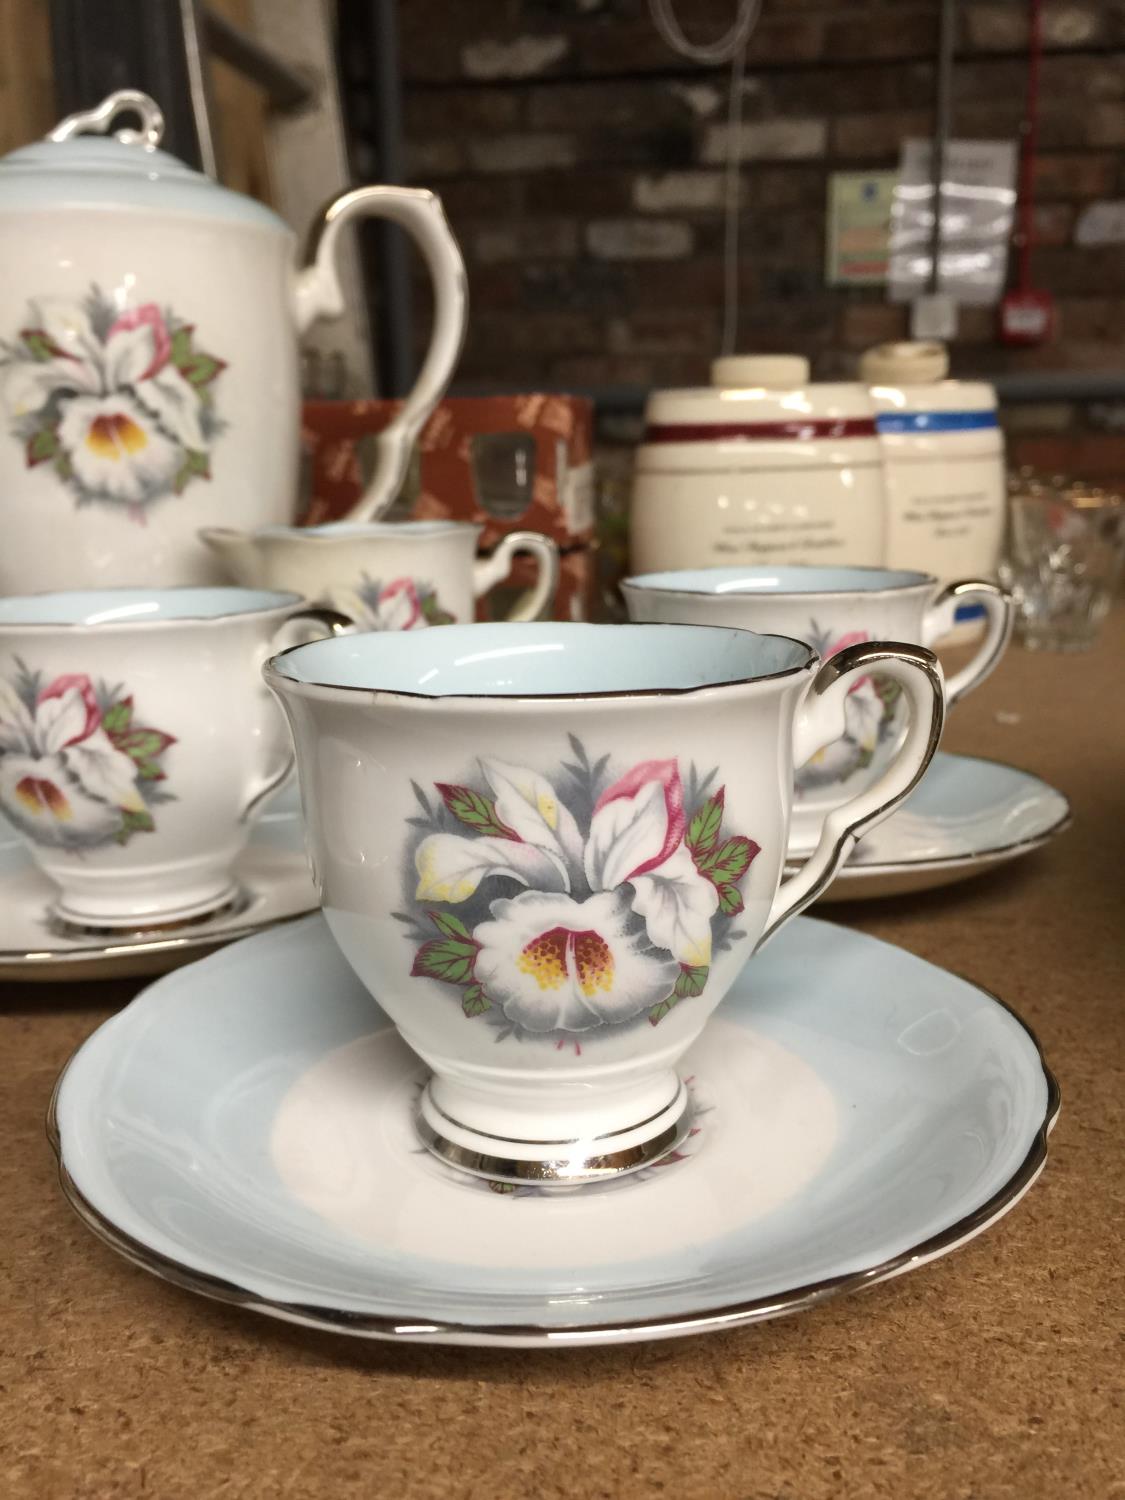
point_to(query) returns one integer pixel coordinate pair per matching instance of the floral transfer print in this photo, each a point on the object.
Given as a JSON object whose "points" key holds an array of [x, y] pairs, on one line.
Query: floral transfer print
{"points": [[581, 899], [119, 401], [400, 604], [77, 770], [869, 716]]}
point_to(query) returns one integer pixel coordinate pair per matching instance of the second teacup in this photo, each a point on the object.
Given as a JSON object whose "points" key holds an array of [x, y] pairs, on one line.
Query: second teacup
{"points": [[387, 575], [138, 742], [831, 608]]}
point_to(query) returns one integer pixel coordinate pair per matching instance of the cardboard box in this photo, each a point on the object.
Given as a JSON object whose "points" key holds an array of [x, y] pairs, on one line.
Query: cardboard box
{"points": [[510, 463]]}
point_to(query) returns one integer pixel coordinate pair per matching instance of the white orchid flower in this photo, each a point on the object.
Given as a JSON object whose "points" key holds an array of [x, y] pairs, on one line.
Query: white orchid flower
{"points": [[552, 963], [450, 867], [678, 903], [62, 780]]}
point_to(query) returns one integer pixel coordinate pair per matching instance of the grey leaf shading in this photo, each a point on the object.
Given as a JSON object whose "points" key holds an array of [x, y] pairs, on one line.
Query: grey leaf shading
{"points": [[420, 794], [578, 748]]}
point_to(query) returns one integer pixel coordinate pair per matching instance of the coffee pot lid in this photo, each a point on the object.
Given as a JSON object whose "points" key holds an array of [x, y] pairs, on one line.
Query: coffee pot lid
{"points": [[766, 371], [85, 162]]}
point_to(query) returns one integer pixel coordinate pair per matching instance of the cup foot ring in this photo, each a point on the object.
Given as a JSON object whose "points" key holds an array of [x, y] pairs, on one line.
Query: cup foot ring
{"points": [[67, 926], [558, 1164]]}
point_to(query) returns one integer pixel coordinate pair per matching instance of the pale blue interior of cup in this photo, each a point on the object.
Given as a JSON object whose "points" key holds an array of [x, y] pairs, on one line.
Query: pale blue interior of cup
{"points": [[137, 606], [790, 580], [537, 660]]}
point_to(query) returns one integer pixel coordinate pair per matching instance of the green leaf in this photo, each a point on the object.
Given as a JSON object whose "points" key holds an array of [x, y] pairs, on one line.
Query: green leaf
{"points": [[198, 463], [140, 743], [201, 369], [181, 345], [691, 981], [39, 345], [134, 822], [451, 926], [63, 467], [889, 692], [474, 811], [448, 959], [474, 1002], [433, 611], [118, 716], [148, 770], [730, 861], [42, 445], [703, 830], [730, 900]]}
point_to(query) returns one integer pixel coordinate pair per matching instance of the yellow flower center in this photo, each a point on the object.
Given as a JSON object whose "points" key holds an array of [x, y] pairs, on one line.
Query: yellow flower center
{"points": [[39, 796], [115, 436], [555, 954]]}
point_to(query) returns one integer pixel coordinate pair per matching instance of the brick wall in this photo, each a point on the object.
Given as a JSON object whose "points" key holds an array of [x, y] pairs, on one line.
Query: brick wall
{"points": [[580, 163]]}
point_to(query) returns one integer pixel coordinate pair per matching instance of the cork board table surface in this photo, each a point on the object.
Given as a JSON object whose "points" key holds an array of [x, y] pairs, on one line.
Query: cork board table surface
{"points": [[996, 1372]]}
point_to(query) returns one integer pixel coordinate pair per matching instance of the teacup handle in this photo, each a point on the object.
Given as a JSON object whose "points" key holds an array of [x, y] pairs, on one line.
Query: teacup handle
{"points": [[940, 618], [820, 720], [489, 571], [420, 213], [334, 624]]}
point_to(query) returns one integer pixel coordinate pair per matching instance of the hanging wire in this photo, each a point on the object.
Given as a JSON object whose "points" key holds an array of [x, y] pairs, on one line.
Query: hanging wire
{"points": [[731, 49]]}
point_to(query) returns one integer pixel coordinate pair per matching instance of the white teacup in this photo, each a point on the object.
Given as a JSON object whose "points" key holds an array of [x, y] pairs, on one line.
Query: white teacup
{"points": [[137, 742], [548, 850], [831, 608], [387, 575]]}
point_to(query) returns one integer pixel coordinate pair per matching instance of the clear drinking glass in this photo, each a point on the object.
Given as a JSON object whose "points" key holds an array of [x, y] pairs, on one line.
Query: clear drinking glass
{"points": [[1066, 542]]}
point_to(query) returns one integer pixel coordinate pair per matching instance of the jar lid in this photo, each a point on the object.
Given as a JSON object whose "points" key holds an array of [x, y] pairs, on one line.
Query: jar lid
{"points": [[920, 363], [772, 371], [84, 162]]}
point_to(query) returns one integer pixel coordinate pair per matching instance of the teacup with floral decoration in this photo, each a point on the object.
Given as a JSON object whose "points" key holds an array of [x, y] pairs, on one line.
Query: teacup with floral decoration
{"points": [[388, 575], [831, 609], [137, 742], [549, 849]]}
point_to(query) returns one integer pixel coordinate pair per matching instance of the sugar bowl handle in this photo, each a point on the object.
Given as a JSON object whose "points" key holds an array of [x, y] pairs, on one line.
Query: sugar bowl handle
{"points": [[332, 623], [319, 295], [820, 719]]}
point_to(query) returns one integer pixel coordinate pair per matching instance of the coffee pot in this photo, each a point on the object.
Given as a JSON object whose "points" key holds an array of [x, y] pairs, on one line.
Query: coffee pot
{"points": [[148, 353]]}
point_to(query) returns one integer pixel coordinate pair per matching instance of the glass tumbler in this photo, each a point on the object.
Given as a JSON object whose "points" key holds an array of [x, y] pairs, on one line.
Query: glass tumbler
{"points": [[1066, 543]]}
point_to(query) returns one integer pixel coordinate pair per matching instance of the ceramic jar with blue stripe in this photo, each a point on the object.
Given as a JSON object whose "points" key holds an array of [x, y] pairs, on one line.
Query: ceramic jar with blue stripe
{"points": [[943, 457]]}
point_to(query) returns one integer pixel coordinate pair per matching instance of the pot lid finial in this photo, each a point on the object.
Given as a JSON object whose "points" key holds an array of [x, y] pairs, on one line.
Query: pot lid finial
{"points": [[99, 120]]}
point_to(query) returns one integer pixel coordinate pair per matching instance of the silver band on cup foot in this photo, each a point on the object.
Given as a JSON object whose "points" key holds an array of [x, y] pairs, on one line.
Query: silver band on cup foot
{"points": [[569, 1163], [230, 903]]}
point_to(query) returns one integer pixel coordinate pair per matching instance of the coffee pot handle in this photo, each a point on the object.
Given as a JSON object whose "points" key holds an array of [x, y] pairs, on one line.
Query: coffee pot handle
{"points": [[820, 720], [941, 616], [420, 213], [332, 622], [488, 571]]}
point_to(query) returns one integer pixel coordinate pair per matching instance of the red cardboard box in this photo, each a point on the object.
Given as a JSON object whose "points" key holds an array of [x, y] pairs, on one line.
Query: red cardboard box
{"points": [[510, 463]]}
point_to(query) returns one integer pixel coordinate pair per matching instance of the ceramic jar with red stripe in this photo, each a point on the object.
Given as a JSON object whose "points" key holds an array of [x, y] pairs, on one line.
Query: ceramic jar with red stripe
{"points": [[761, 467]]}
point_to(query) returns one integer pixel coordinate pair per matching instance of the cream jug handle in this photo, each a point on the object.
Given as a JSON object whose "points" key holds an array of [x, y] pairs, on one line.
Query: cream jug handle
{"points": [[488, 571], [820, 719], [940, 618], [420, 213]]}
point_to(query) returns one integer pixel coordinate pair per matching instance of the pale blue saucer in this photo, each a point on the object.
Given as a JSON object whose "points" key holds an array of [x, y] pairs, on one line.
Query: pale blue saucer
{"points": [[244, 1129]]}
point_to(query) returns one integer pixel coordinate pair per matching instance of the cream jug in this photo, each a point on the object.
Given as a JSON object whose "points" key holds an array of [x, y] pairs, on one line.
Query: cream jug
{"points": [[148, 353]]}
